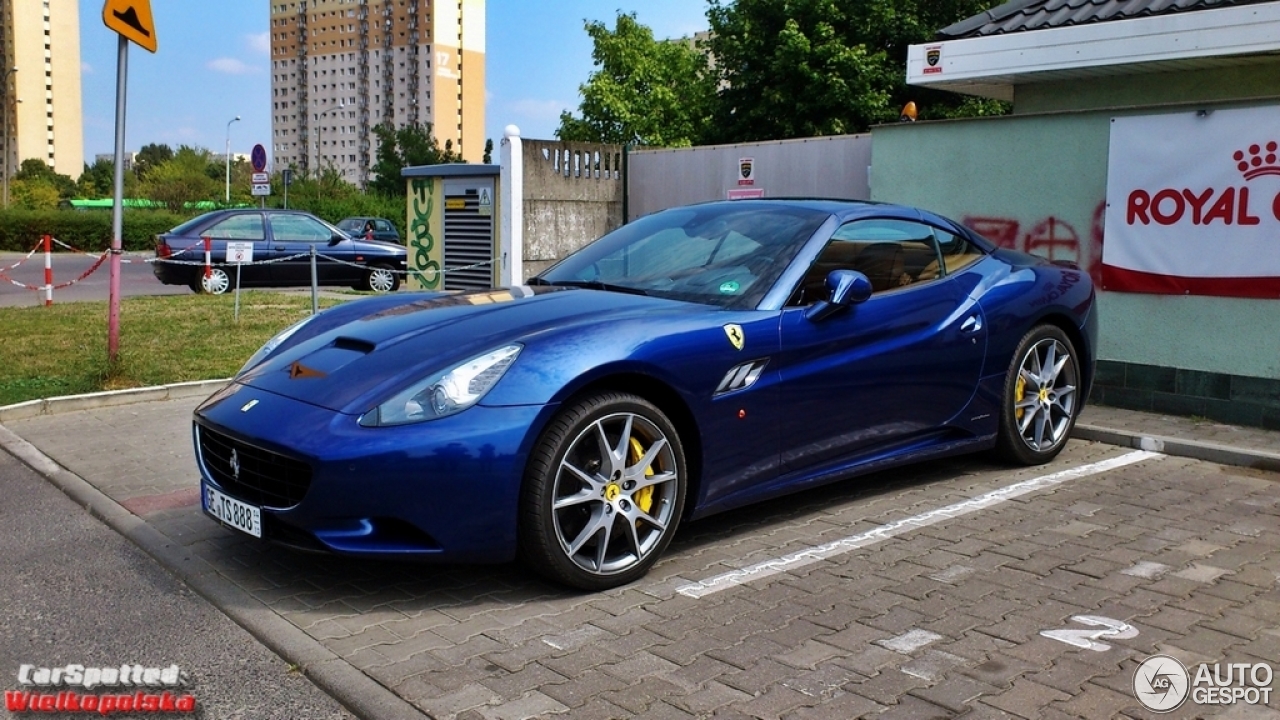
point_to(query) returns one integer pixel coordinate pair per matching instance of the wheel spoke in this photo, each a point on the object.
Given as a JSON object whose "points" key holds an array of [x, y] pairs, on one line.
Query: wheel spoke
{"points": [[602, 546], [590, 530], [624, 444], [653, 481], [636, 471], [1042, 422], [1047, 370]]}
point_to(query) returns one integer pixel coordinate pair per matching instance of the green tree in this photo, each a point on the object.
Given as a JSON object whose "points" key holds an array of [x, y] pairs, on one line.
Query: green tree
{"points": [[406, 146], [33, 194], [182, 179], [801, 68], [98, 181], [488, 152], [36, 173], [150, 156], [645, 91]]}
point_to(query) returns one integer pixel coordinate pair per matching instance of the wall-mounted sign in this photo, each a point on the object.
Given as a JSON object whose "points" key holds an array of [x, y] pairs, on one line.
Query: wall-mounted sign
{"points": [[746, 171]]}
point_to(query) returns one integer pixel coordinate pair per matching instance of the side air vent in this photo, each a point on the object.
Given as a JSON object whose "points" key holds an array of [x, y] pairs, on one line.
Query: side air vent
{"points": [[741, 377]]}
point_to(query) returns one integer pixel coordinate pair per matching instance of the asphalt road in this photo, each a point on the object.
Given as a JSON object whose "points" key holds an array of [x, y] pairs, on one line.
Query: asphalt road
{"points": [[76, 592], [18, 284]]}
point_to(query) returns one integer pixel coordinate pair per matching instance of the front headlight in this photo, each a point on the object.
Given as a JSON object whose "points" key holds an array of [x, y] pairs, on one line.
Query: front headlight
{"points": [[444, 393], [274, 343]]}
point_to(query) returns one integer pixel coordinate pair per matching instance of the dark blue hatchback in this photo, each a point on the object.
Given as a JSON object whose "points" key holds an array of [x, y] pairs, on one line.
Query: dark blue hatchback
{"points": [[274, 250]]}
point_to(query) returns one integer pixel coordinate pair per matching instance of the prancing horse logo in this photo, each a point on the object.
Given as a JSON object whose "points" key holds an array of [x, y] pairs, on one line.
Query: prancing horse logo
{"points": [[234, 462], [734, 331]]}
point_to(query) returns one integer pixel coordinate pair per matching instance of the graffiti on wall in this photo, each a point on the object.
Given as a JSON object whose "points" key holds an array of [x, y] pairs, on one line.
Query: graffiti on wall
{"points": [[1050, 237]]}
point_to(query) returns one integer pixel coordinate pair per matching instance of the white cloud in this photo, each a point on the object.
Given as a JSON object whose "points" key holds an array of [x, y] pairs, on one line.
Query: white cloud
{"points": [[230, 66], [259, 43]]}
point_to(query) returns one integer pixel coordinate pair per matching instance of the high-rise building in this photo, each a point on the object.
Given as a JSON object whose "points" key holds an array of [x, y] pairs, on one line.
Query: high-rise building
{"points": [[340, 68], [40, 102]]}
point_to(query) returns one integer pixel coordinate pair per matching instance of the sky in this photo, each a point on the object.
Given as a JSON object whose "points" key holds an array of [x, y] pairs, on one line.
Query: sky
{"points": [[213, 64]]}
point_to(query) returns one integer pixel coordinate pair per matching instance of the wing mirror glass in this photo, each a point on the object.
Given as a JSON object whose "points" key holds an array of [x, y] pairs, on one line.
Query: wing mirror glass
{"points": [[845, 288]]}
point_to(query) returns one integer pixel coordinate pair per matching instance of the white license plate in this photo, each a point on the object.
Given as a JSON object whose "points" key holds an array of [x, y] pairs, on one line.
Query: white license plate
{"points": [[241, 516]]}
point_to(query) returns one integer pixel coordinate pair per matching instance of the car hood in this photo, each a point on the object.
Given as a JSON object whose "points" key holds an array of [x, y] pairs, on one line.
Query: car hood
{"points": [[353, 366]]}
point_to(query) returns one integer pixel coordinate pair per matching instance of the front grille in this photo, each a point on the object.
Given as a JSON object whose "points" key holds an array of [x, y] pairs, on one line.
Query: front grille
{"points": [[264, 478]]}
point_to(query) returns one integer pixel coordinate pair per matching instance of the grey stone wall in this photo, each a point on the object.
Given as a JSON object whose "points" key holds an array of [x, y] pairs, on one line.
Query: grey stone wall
{"points": [[572, 195]]}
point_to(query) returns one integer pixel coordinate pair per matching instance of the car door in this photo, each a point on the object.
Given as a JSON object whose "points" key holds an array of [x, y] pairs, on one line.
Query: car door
{"points": [[240, 227], [293, 235], [885, 372]]}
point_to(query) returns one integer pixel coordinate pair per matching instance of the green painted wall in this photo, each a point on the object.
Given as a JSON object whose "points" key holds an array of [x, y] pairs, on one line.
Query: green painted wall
{"points": [[1259, 81], [1038, 183]]}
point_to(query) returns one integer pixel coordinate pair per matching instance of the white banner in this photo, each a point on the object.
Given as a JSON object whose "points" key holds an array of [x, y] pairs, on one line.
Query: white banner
{"points": [[1193, 204]]}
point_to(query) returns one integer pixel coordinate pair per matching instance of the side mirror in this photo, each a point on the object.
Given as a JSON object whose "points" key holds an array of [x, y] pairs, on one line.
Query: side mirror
{"points": [[845, 288], [337, 238]]}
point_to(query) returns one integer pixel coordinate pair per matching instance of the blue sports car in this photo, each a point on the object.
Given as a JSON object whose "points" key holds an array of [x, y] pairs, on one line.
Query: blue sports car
{"points": [[692, 361]]}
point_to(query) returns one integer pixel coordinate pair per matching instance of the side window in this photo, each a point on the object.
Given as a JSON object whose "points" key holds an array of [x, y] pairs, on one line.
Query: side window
{"points": [[893, 254], [238, 227], [382, 226], [299, 228], [957, 253]]}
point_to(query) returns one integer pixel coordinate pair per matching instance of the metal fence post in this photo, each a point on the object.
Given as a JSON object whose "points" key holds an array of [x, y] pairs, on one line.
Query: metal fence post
{"points": [[315, 297], [511, 221]]}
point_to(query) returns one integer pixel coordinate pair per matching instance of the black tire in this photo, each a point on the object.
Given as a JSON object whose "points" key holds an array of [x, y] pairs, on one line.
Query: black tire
{"points": [[218, 282], [634, 481], [381, 279], [1040, 405]]}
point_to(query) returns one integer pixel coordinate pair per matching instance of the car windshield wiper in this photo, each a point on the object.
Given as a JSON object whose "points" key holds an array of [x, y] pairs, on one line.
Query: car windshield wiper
{"points": [[590, 285]]}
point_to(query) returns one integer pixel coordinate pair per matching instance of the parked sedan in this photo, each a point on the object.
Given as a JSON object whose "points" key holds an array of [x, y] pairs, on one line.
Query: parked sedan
{"points": [[370, 228], [690, 362], [274, 248]]}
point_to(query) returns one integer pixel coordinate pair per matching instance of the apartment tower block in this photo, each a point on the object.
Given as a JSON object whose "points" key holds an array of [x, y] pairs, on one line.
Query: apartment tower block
{"points": [[340, 68], [40, 101]]}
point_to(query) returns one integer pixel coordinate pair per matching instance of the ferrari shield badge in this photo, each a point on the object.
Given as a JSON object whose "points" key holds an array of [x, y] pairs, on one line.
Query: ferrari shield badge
{"points": [[734, 331]]}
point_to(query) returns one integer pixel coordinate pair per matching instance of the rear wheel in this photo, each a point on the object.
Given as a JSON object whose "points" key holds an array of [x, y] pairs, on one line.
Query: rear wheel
{"points": [[603, 493], [216, 282], [381, 279], [1041, 397]]}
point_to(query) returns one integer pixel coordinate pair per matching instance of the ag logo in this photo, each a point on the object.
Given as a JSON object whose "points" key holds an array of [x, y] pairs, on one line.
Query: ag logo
{"points": [[1161, 683], [734, 331]]}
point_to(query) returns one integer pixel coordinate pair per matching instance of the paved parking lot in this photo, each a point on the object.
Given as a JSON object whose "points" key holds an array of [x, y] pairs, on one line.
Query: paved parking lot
{"points": [[953, 588]]}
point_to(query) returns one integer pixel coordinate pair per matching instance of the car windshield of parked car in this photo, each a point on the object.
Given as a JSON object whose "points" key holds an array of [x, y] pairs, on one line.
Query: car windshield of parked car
{"points": [[725, 255]]}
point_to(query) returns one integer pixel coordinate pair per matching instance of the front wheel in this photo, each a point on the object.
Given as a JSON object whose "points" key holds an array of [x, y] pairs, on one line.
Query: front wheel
{"points": [[1041, 397], [381, 279], [603, 492]]}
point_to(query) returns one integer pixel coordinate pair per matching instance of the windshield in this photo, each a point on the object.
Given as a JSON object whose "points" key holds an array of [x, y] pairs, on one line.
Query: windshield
{"points": [[726, 254]]}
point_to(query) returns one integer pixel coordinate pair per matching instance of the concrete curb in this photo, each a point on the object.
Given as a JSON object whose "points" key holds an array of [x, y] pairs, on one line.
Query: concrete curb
{"points": [[110, 398], [1197, 449], [355, 690]]}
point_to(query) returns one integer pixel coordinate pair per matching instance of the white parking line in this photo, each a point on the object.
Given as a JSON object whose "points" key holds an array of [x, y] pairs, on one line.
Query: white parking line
{"points": [[898, 527]]}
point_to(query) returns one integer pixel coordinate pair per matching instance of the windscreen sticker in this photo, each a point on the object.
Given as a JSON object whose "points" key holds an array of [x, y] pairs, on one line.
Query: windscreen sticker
{"points": [[729, 287]]}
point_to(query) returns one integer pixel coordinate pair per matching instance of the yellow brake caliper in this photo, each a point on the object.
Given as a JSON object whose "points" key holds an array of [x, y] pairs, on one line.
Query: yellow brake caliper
{"points": [[643, 496], [1019, 392]]}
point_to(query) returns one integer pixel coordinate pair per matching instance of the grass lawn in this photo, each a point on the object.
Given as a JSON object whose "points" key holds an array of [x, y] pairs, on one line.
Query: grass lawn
{"points": [[62, 350]]}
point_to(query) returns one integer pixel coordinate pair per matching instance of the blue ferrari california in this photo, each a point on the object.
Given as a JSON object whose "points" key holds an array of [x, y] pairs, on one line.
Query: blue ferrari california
{"points": [[692, 361]]}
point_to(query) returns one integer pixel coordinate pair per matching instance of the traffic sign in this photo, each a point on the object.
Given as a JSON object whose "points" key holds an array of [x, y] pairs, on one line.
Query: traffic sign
{"points": [[261, 189], [132, 19], [259, 158], [260, 178], [239, 252]]}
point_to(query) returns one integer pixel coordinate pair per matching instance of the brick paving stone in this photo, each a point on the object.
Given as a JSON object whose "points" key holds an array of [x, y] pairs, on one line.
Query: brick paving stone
{"points": [[956, 693], [870, 660], [464, 698], [933, 665], [910, 707], [842, 705], [747, 653], [1203, 573], [575, 663], [639, 697], [593, 709], [639, 665], [1026, 698], [685, 650], [516, 658], [775, 702], [898, 620], [713, 695], [1098, 702], [809, 654], [999, 669], [762, 674], [515, 684], [583, 687], [887, 686], [1230, 590], [824, 682]]}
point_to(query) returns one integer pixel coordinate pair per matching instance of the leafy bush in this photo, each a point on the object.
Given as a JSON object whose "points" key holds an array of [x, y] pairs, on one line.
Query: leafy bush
{"points": [[90, 231]]}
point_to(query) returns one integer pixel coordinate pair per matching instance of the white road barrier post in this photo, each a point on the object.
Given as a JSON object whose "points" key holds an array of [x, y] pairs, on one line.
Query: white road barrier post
{"points": [[511, 220]]}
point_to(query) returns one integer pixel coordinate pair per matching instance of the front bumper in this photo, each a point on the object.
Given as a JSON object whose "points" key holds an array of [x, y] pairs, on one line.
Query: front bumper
{"points": [[446, 489]]}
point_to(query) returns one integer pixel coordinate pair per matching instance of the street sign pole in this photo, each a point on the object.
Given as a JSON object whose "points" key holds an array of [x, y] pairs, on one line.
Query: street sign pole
{"points": [[117, 212]]}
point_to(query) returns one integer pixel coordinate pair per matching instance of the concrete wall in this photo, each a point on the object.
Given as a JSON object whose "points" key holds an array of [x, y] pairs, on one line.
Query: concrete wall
{"points": [[807, 167], [572, 195]]}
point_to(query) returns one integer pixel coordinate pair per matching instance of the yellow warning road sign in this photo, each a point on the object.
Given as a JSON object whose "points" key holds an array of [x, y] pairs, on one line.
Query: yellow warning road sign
{"points": [[132, 19]]}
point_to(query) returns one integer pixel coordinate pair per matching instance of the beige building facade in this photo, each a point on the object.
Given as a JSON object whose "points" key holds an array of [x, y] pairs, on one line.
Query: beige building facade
{"points": [[340, 68], [43, 118]]}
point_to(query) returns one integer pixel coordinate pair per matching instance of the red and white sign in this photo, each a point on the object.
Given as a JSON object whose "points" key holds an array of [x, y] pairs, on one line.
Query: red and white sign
{"points": [[1193, 204]]}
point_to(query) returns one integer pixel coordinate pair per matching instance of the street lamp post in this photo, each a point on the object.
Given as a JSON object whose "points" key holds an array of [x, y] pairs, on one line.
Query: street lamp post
{"points": [[339, 106], [235, 119], [4, 109]]}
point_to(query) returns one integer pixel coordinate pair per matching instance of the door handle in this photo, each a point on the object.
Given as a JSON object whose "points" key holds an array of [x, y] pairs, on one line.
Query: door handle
{"points": [[972, 324], [279, 247]]}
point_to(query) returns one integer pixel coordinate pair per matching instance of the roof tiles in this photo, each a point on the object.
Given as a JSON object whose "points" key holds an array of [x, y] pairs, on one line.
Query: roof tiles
{"points": [[1025, 15]]}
